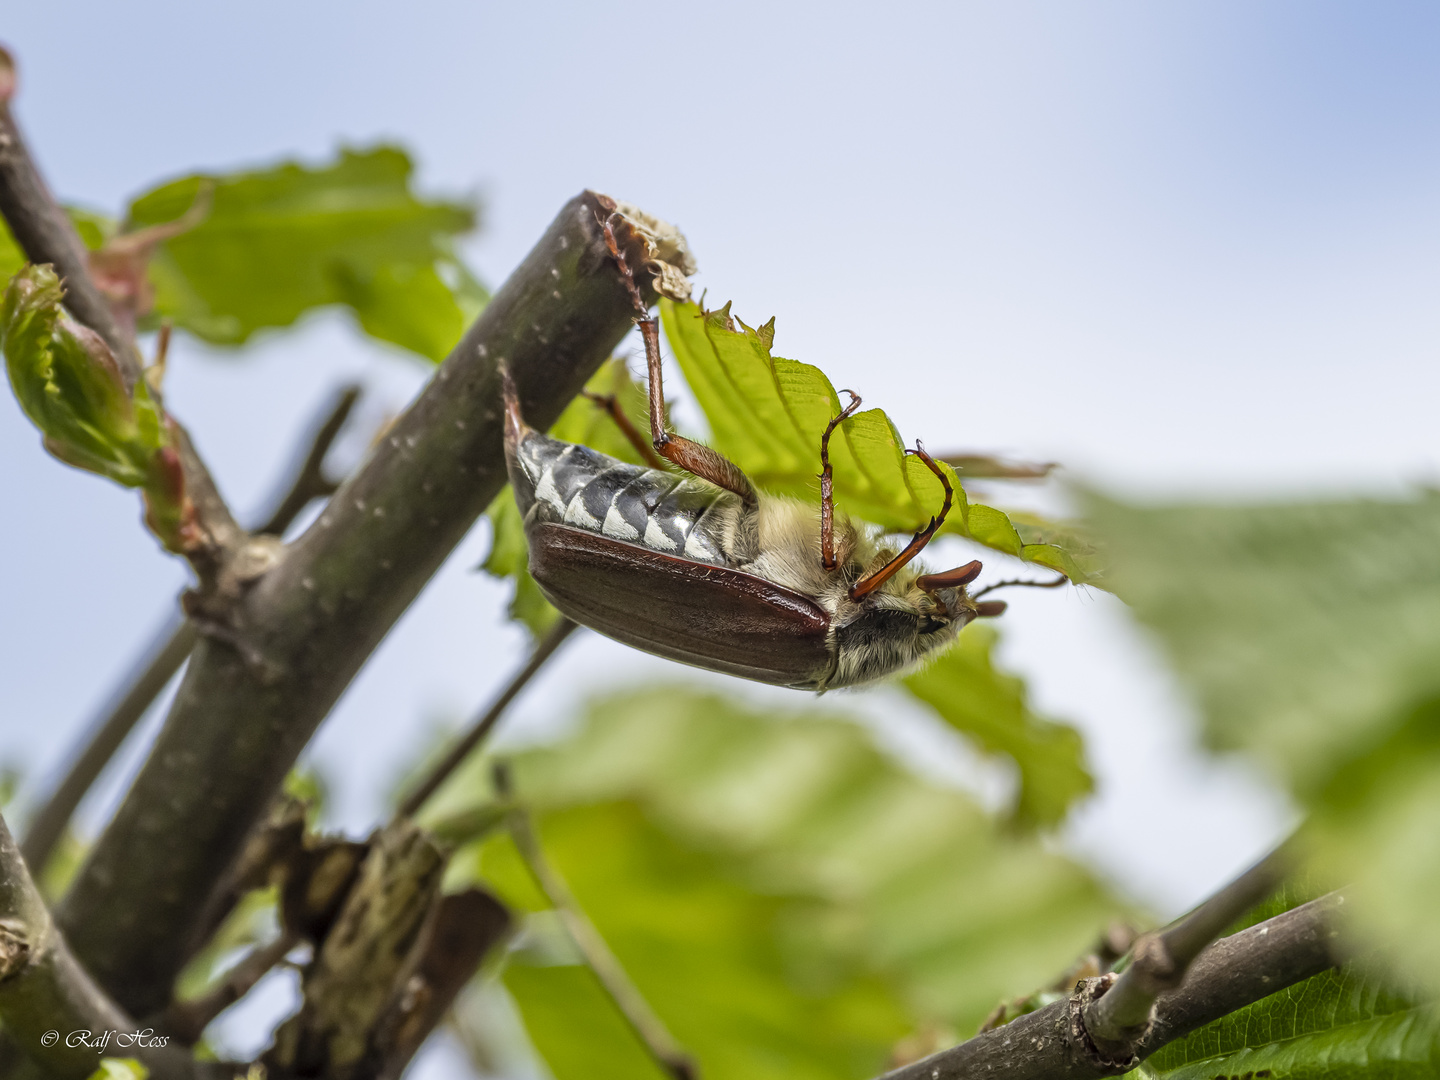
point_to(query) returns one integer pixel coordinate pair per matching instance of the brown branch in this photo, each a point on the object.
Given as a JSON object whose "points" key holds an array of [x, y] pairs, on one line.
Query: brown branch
{"points": [[647, 1026], [463, 928], [44, 233], [187, 1020], [356, 971], [310, 481], [1052, 1043], [544, 649], [45, 996], [1159, 960], [158, 664], [247, 707], [162, 659]]}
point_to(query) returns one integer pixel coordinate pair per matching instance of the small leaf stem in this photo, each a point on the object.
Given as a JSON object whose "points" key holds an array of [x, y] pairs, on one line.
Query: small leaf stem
{"points": [[647, 1026], [544, 649]]}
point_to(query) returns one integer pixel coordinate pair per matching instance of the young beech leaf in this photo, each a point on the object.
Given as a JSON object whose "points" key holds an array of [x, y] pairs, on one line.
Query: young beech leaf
{"points": [[1309, 634], [278, 242], [70, 387], [970, 695], [790, 899], [767, 414]]}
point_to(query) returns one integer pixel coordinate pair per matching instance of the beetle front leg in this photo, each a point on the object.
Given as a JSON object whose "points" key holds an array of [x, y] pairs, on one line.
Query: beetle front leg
{"points": [[867, 585], [827, 485], [691, 456]]}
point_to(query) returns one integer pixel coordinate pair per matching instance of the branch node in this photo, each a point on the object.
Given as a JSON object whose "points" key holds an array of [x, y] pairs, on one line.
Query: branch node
{"points": [[1105, 1055]]}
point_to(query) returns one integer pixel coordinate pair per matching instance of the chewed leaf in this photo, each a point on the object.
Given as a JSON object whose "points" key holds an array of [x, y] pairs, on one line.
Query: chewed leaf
{"points": [[768, 414]]}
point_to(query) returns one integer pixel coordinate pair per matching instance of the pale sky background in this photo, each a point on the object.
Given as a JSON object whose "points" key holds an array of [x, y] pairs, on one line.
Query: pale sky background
{"points": [[1184, 247]]}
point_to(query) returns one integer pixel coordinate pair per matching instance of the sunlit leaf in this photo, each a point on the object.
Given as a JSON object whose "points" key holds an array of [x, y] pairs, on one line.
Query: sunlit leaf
{"points": [[278, 242], [768, 414], [1309, 634], [969, 694]]}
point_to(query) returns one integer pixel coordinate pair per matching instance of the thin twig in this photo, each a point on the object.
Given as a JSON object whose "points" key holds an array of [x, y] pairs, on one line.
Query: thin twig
{"points": [[158, 664], [187, 1020], [1053, 1044], [310, 480], [1063, 579], [163, 657], [1122, 1015], [544, 649], [44, 233], [648, 1027]]}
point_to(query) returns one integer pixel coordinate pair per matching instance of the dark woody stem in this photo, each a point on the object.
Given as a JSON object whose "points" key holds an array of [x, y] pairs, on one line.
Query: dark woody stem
{"points": [[246, 708]]}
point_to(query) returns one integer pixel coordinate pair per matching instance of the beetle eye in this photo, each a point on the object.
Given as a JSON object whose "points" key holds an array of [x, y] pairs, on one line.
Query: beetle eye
{"points": [[930, 624]]}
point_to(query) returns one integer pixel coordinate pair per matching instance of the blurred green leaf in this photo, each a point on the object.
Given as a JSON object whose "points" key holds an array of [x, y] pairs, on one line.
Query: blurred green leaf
{"points": [[729, 967], [94, 230], [280, 241], [120, 1069], [1309, 634], [762, 877], [970, 695], [767, 414], [254, 920], [583, 421]]}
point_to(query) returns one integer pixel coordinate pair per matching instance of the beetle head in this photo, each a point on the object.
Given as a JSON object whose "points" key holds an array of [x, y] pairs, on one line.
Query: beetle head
{"points": [[902, 622]]}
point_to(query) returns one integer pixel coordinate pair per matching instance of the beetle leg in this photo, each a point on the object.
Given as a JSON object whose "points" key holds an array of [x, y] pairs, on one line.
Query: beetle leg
{"points": [[827, 485], [867, 585], [611, 404], [691, 456], [1063, 579]]}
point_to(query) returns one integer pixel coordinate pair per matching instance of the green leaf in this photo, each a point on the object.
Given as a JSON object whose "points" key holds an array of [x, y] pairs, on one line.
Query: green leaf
{"points": [[582, 422], [728, 967], [281, 241], [790, 899], [1334, 1026], [970, 695], [768, 414], [70, 386], [120, 1069], [1309, 635]]}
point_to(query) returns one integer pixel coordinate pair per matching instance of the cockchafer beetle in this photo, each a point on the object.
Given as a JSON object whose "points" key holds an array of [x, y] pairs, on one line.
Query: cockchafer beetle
{"points": [[707, 570]]}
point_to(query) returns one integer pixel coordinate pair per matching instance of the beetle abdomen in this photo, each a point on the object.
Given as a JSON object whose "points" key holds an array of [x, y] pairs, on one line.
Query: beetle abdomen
{"points": [[568, 484]]}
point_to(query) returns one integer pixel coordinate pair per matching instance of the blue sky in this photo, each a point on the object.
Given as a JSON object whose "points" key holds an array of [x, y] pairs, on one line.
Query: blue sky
{"points": [[1184, 247]]}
